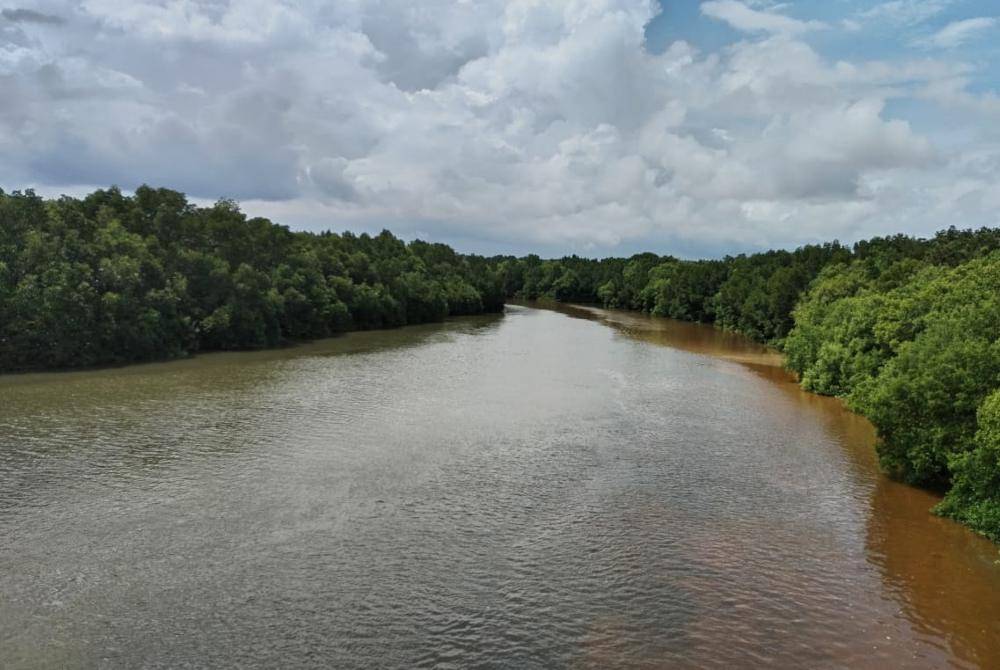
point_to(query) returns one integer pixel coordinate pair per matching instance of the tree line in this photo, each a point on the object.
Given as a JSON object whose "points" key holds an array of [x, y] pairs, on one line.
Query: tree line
{"points": [[906, 330], [111, 278]]}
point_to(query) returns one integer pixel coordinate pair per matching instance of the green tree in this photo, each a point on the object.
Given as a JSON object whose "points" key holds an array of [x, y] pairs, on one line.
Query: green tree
{"points": [[974, 498]]}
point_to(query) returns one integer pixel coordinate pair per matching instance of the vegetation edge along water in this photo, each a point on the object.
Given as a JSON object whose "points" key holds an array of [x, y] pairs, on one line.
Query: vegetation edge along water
{"points": [[905, 330]]}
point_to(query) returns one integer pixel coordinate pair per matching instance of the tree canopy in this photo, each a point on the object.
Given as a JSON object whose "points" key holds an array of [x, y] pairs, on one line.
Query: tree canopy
{"points": [[111, 279]]}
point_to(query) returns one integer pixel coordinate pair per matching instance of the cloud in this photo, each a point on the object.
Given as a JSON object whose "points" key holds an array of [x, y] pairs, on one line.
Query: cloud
{"points": [[503, 124], [30, 16], [904, 12], [958, 33], [744, 18]]}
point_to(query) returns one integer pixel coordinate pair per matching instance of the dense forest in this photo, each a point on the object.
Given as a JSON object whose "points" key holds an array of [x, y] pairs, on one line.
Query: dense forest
{"points": [[114, 279], [906, 330]]}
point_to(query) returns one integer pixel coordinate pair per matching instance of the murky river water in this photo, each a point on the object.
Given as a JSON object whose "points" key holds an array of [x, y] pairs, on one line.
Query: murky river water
{"points": [[537, 490]]}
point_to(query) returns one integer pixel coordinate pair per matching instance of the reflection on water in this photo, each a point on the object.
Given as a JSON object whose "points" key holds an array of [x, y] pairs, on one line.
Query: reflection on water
{"points": [[531, 490]]}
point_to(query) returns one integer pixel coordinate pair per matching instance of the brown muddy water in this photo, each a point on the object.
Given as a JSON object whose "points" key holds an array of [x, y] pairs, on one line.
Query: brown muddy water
{"points": [[574, 489]]}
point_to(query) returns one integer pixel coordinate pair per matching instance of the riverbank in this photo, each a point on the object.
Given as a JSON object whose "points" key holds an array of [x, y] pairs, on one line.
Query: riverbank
{"points": [[344, 342], [350, 342]]}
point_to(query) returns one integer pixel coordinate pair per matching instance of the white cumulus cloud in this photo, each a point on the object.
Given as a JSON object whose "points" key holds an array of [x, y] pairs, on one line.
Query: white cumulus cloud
{"points": [[495, 124]]}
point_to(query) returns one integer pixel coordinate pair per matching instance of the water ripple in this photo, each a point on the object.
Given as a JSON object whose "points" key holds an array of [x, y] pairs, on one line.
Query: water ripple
{"points": [[533, 492]]}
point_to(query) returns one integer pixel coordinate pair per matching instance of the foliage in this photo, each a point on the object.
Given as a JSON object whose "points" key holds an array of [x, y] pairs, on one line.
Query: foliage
{"points": [[912, 346], [114, 279], [974, 498]]}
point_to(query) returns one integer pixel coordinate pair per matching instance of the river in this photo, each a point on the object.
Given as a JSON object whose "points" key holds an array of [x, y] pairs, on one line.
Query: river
{"points": [[542, 489]]}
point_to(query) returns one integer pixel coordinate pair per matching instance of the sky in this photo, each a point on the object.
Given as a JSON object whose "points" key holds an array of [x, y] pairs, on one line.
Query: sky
{"points": [[596, 127]]}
